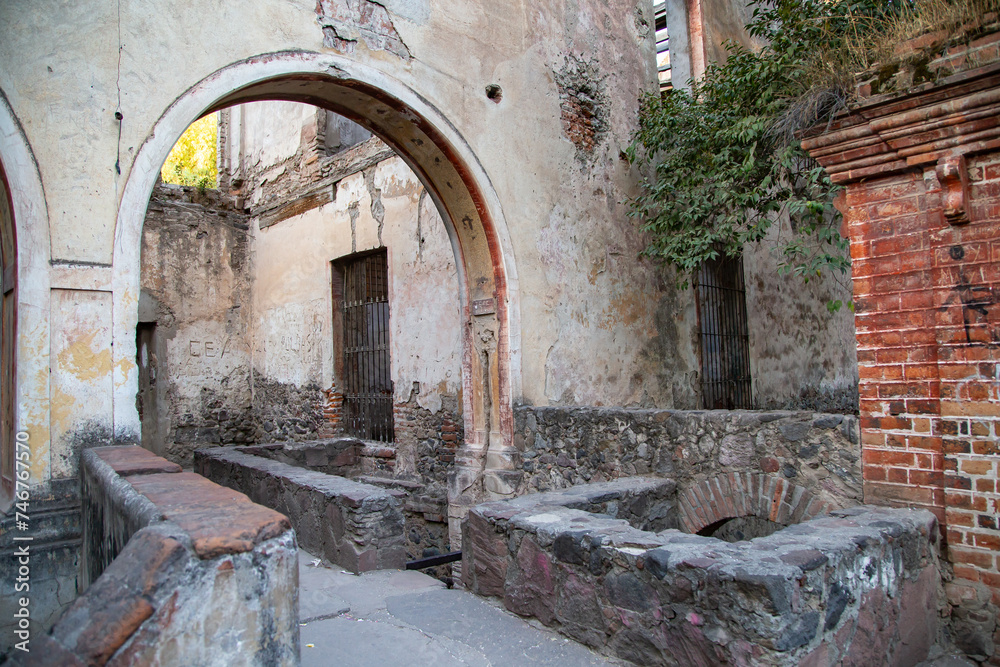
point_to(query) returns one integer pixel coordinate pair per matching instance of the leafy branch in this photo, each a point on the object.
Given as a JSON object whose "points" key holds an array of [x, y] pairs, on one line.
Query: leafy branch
{"points": [[722, 160]]}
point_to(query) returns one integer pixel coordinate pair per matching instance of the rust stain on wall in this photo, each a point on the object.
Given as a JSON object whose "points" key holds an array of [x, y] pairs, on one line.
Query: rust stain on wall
{"points": [[624, 310]]}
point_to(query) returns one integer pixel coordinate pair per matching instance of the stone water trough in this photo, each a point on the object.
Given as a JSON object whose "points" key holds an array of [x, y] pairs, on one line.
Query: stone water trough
{"points": [[607, 565]]}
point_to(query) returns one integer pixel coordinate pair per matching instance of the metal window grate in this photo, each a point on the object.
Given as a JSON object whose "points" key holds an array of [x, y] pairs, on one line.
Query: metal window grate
{"points": [[367, 383], [724, 335]]}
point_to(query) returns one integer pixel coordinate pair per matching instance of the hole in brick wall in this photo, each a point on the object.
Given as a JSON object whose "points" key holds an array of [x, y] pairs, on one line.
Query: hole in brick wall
{"points": [[494, 92], [741, 528]]}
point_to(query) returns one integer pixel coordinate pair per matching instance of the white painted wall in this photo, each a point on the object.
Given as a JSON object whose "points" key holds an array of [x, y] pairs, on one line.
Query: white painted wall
{"points": [[292, 302]]}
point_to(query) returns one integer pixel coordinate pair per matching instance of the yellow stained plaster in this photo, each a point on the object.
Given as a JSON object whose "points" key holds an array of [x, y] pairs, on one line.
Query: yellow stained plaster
{"points": [[32, 344], [125, 366], [86, 363], [61, 407], [625, 311], [38, 438]]}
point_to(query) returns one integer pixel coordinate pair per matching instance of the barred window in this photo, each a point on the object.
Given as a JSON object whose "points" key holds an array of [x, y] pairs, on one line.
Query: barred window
{"points": [[361, 286], [723, 334]]}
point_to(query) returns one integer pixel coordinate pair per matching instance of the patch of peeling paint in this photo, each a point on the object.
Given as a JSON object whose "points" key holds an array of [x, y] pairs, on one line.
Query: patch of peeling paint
{"points": [[83, 361], [346, 22]]}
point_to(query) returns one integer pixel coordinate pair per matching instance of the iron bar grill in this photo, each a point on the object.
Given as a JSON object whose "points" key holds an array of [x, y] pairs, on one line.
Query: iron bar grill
{"points": [[724, 335], [367, 407]]}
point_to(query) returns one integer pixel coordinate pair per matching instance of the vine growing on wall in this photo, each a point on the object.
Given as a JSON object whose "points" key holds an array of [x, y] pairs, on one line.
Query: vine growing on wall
{"points": [[722, 160]]}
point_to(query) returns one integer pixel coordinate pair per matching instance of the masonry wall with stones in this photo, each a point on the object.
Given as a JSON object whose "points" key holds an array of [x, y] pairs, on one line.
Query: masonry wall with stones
{"points": [[603, 564], [193, 343], [351, 524], [366, 521], [567, 446], [920, 160]]}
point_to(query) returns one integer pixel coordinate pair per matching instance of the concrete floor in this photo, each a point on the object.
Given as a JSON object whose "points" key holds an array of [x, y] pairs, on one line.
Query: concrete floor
{"points": [[398, 617]]}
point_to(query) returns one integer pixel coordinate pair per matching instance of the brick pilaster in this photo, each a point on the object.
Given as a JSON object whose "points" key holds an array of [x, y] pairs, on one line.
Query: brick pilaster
{"points": [[922, 174]]}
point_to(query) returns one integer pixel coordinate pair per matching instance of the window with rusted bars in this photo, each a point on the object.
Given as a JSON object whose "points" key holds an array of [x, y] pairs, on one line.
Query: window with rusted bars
{"points": [[724, 335], [365, 378]]}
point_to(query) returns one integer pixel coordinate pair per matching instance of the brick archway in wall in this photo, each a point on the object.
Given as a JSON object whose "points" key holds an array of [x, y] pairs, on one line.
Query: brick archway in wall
{"points": [[747, 494], [486, 464]]}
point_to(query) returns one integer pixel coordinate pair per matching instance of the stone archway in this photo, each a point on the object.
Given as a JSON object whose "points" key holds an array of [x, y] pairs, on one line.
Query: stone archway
{"points": [[486, 463], [27, 267]]}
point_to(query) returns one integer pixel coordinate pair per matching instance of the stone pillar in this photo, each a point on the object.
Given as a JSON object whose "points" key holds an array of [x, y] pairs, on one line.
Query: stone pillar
{"points": [[921, 168]]}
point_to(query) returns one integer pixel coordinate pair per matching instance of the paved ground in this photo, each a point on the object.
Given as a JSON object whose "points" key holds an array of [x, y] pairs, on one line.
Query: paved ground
{"points": [[393, 617], [397, 617]]}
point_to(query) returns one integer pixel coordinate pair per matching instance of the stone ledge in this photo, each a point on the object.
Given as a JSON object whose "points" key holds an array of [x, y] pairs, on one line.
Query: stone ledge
{"points": [[129, 460], [646, 503], [858, 585], [357, 526], [219, 520], [164, 549], [160, 598]]}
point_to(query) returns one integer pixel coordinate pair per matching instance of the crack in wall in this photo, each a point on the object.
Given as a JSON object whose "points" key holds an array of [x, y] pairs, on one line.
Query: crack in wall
{"points": [[420, 223]]}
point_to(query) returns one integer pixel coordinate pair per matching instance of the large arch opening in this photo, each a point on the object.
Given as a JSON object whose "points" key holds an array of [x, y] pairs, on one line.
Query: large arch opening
{"points": [[485, 465], [26, 279]]}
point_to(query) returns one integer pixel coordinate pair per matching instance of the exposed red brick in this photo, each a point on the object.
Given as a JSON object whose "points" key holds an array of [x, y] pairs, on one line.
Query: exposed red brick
{"points": [[134, 460], [219, 520]]}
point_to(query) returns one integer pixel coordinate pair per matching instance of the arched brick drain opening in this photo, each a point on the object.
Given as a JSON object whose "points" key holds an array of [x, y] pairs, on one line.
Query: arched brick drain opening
{"points": [[735, 495]]}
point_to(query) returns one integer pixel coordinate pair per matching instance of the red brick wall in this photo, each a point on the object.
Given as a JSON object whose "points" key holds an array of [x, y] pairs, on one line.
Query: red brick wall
{"points": [[919, 157], [927, 295]]}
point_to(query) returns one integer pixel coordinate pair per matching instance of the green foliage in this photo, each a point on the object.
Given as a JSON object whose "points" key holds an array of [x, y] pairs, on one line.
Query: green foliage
{"points": [[192, 160], [722, 158]]}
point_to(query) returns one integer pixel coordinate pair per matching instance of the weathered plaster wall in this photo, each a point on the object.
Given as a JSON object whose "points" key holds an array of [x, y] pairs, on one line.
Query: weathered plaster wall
{"points": [[724, 21], [195, 269], [542, 226], [382, 206], [802, 356], [263, 153], [581, 297]]}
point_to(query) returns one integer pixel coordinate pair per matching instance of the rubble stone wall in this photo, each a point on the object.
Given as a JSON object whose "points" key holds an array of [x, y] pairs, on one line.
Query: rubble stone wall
{"points": [[566, 446], [195, 387], [859, 586], [355, 525]]}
